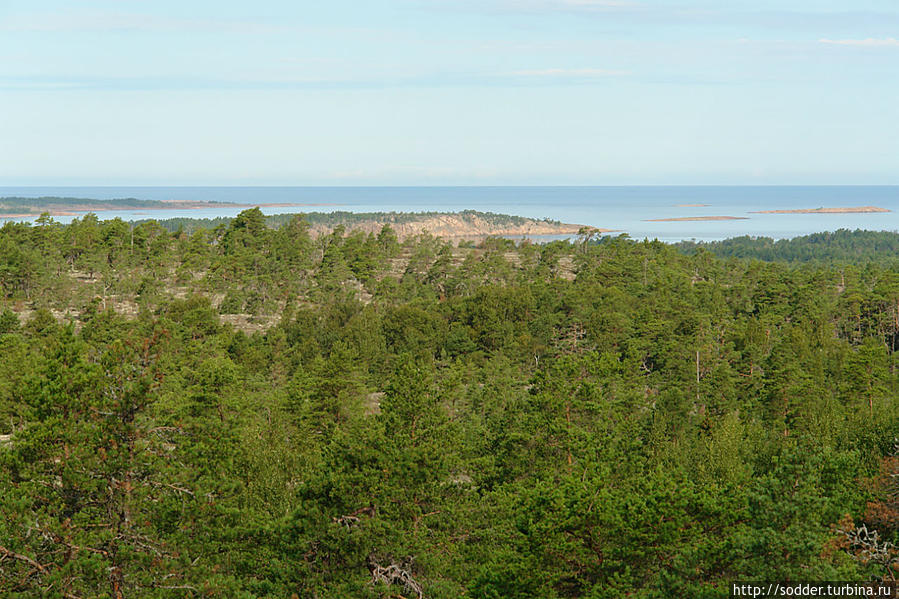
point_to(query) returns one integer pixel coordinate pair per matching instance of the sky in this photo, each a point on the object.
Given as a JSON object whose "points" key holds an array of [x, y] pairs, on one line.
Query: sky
{"points": [[449, 92]]}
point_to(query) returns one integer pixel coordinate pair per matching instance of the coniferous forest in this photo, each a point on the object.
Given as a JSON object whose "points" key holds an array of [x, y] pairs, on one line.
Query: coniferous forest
{"points": [[249, 411]]}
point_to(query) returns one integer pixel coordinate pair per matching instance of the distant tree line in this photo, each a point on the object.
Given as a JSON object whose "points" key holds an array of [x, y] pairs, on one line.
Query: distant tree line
{"points": [[30, 205], [842, 245]]}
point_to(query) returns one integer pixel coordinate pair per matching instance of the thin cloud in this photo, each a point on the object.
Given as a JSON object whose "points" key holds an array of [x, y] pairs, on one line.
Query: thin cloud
{"points": [[570, 5], [536, 6], [597, 3], [870, 42], [526, 77], [199, 83], [569, 73], [91, 23], [640, 12]]}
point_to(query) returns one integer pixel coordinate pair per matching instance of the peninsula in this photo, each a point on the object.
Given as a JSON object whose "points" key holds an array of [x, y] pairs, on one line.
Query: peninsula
{"points": [[468, 224], [459, 226], [19, 207]]}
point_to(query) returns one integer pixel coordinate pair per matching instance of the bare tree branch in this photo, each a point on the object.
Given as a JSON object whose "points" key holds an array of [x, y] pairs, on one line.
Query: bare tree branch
{"points": [[22, 558]]}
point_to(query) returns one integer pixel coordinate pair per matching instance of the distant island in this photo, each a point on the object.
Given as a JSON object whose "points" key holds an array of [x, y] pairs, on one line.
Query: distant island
{"points": [[18, 207], [845, 210], [694, 218], [690, 205]]}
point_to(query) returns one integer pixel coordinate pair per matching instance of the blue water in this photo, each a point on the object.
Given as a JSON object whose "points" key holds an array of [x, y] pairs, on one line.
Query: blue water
{"points": [[623, 208]]}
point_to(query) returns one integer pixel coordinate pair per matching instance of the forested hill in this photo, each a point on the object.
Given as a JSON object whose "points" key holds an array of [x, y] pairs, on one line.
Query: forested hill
{"points": [[448, 225], [253, 412], [837, 246]]}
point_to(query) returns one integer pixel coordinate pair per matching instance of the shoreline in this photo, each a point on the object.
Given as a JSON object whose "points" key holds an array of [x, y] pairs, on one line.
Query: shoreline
{"points": [[86, 208]]}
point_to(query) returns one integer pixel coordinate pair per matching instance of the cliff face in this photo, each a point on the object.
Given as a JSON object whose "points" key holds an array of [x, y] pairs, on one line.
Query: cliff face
{"points": [[457, 226]]}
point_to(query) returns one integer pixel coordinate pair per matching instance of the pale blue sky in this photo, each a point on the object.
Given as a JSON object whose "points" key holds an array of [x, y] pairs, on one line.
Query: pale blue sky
{"points": [[455, 92]]}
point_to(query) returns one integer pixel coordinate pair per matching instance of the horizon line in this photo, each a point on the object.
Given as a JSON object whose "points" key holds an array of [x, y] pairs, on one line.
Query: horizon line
{"points": [[438, 186]]}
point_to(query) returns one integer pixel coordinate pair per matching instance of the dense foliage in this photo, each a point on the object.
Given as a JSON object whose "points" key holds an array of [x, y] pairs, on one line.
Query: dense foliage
{"points": [[330, 220], [832, 246], [250, 412]]}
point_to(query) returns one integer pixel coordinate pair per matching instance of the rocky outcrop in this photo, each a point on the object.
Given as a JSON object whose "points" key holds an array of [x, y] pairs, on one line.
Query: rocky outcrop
{"points": [[457, 226]]}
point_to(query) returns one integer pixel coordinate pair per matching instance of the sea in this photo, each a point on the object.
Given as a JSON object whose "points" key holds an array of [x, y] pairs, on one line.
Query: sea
{"points": [[631, 209]]}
